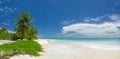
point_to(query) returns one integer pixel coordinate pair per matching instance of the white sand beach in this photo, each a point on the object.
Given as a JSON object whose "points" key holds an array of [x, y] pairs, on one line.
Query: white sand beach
{"points": [[54, 50]]}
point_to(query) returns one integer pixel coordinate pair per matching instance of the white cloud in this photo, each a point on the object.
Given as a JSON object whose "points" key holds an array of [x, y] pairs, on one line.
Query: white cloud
{"points": [[103, 30], [114, 17]]}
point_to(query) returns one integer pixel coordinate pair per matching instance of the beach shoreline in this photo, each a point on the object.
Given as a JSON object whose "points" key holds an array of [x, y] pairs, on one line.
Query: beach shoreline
{"points": [[54, 50], [58, 50]]}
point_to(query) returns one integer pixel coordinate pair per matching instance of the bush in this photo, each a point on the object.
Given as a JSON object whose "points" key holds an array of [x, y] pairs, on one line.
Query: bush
{"points": [[20, 47], [5, 36]]}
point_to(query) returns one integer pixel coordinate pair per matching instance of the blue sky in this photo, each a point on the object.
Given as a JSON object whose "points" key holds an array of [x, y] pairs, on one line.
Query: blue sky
{"points": [[66, 18]]}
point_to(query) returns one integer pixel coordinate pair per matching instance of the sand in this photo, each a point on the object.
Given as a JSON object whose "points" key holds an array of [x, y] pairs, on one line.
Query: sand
{"points": [[55, 50], [5, 41]]}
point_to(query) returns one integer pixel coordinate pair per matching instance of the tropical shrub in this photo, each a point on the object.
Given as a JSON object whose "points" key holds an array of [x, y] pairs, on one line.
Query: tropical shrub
{"points": [[4, 34], [20, 47]]}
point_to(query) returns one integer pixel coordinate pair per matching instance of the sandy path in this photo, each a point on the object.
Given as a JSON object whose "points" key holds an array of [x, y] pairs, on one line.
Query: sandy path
{"points": [[5, 41]]}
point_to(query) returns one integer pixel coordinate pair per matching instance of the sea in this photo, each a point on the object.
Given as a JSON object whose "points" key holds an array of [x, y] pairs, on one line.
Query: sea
{"points": [[97, 43]]}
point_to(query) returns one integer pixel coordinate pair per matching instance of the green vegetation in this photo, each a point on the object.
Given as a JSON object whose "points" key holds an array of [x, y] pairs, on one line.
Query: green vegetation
{"points": [[4, 34], [24, 29], [20, 47]]}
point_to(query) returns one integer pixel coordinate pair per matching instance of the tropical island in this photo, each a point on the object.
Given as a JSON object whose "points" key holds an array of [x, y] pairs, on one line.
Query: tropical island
{"points": [[59, 29], [24, 43]]}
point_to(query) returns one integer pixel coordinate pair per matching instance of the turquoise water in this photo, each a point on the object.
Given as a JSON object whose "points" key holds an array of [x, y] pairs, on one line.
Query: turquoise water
{"points": [[115, 41], [112, 44]]}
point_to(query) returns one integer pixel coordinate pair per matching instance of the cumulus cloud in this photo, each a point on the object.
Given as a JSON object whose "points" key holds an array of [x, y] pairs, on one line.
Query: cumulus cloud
{"points": [[105, 29]]}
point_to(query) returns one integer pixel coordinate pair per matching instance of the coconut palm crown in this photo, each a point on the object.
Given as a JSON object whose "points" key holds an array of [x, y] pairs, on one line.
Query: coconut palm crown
{"points": [[24, 30]]}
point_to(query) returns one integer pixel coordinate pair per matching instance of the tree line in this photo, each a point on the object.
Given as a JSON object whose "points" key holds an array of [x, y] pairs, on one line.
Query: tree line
{"points": [[23, 30]]}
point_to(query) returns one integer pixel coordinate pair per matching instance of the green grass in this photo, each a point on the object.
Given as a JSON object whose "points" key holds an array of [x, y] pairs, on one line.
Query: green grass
{"points": [[20, 47]]}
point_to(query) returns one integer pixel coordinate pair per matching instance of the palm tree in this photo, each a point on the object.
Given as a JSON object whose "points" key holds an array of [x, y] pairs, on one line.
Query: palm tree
{"points": [[24, 28], [32, 33], [3, 30], [4, 34]]}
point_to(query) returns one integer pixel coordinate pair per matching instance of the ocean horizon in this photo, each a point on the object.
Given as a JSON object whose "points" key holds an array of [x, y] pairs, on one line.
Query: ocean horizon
{"points": [[97, 43]]}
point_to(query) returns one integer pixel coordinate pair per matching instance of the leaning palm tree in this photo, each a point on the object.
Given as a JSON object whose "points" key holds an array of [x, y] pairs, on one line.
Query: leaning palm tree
{"points": [[23, 28]]}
